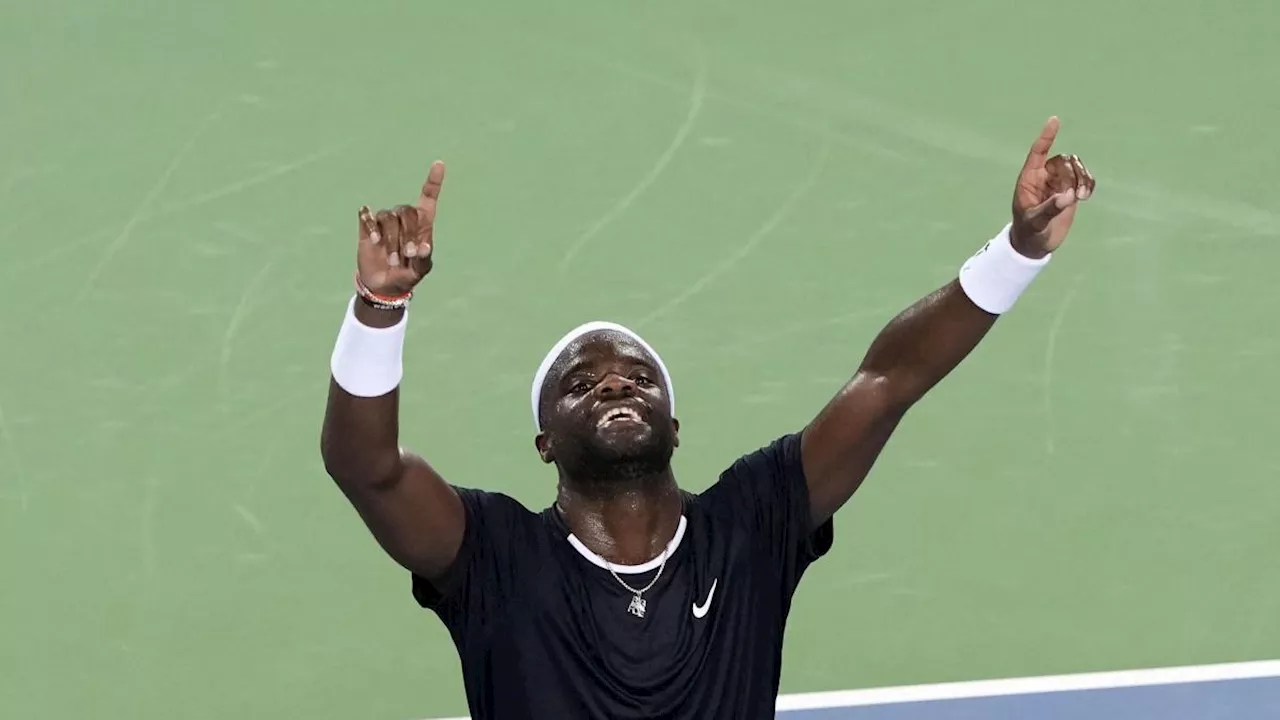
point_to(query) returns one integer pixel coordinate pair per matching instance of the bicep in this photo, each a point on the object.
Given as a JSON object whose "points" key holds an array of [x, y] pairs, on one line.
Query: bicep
{"points": [[839, 447], [415, 516], [914, 352]]}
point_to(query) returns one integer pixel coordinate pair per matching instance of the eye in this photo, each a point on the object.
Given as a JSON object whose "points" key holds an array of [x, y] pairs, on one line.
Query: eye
{"points": [[641, 380], [580, 388]]}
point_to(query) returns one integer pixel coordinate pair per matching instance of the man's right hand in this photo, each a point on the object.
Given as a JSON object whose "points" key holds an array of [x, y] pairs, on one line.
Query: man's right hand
{"points": [[415, 515], [394, 251]]}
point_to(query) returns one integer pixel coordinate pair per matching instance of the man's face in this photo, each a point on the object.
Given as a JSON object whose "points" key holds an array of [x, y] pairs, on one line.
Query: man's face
{"points": [[605, 410]]}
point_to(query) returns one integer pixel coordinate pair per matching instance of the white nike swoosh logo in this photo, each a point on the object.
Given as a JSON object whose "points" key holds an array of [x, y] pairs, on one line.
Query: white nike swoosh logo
{"points": [[700, 611]]}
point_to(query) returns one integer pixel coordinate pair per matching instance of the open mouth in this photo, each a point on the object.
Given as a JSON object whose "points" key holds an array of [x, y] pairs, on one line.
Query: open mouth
{"points": [[620, 415]]}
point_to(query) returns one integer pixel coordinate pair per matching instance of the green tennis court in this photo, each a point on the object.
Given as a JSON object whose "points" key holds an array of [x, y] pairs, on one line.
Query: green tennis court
{"points": [[758, 187]]}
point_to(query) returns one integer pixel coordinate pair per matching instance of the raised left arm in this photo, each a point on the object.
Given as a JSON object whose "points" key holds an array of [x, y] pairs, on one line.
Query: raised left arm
{"points": [[920, 346]]}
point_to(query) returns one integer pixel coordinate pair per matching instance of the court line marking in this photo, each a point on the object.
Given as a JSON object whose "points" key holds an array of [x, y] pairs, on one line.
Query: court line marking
{"points": [[1031, 685], [1023, 686]]}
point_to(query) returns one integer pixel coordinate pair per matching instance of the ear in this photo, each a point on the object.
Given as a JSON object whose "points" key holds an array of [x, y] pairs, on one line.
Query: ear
{"points": [[543, 445], [676, 436]]}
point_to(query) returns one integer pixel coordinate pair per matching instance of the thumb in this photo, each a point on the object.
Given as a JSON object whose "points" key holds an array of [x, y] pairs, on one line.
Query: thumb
{"points": [[1038, 217], [404, 278]]}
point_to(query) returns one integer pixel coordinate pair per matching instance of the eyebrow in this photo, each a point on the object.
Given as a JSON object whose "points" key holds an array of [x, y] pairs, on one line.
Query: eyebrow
{"points": [[632, 357]]}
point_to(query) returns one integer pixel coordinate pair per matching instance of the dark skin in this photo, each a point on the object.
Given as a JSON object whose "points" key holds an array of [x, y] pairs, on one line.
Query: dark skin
{"points": [[616, 489]]}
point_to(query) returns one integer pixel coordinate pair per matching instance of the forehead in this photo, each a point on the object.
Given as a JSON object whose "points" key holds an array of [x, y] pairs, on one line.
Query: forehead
{"points": [[592, 351], [600, 346]]}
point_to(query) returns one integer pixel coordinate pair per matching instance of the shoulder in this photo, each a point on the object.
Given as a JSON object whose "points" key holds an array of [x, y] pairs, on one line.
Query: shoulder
{"points": [[495, 517], [765, 494], [778, 458], [764, 475], [483, 504], [500, 536]]}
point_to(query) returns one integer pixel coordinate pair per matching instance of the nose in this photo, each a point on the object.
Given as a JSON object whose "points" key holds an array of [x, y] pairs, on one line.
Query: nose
{"points": [[615, 386]]}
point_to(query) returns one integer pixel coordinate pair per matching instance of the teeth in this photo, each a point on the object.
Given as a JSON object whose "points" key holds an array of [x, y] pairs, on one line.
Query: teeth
{"points": [[620, 414]]}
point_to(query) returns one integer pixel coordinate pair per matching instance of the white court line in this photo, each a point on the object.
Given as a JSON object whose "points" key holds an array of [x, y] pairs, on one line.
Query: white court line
{"points": [[1028, 685], [1024, 686]]}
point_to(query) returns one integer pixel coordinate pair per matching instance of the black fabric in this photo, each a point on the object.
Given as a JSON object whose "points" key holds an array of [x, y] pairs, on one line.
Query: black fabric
{"points": [[542, 632]]}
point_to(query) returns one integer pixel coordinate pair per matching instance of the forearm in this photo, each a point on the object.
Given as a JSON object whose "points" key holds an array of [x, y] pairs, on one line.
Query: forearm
{"points": [[929, 339], [360, 436], [925, 342]]}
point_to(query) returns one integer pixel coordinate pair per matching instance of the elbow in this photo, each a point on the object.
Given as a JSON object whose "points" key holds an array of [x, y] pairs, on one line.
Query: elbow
{"points": [[895, 393], [330, 453]]}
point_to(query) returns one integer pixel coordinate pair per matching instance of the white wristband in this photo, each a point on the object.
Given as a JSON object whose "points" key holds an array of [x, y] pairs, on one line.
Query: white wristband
{"points": [[367, 361], [997, 274]]}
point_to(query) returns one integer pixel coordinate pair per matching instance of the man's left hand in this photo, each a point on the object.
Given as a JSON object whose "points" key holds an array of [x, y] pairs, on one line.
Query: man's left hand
{"points": [[1046, 196]]}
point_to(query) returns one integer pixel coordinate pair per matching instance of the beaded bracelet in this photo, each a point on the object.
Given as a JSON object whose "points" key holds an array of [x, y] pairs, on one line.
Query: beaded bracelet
{"points": [[382, 302]]}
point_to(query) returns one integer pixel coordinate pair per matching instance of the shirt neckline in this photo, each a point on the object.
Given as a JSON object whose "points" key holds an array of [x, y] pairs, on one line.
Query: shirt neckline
{"points": [[653, 564]]}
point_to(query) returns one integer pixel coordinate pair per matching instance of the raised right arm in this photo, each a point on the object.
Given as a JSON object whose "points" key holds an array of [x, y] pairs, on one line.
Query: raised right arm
{"points": [[413, 513]]}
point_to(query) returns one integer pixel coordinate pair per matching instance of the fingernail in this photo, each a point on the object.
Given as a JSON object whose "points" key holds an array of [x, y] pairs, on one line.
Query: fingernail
{"points": [[393, 259], [410, 250], [376, 237]]}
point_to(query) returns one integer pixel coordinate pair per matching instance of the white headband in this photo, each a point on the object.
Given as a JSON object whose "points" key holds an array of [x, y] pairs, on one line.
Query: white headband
{"points": [[578, 332]]}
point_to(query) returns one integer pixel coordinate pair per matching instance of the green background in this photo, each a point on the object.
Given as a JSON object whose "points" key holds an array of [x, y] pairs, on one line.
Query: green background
{"points": [[758, 187]]}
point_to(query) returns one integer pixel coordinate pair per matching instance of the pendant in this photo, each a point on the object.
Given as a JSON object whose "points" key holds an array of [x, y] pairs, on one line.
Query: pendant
{"points": [[637, 606]]}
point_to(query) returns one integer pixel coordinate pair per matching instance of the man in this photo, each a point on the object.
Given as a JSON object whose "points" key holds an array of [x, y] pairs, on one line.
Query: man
{"points": [[628, 597]]}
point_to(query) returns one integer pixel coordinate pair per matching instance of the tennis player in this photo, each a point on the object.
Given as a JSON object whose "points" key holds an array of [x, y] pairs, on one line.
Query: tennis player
{"points": [[628, 597]]}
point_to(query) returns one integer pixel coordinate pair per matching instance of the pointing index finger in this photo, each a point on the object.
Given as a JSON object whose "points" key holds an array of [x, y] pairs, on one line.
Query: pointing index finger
{"points": [[431, 191], [1040, 148]]}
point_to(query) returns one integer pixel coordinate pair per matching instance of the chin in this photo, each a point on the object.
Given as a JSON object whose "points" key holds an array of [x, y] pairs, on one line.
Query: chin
{"points": [[638, 452], [624, 449]]}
